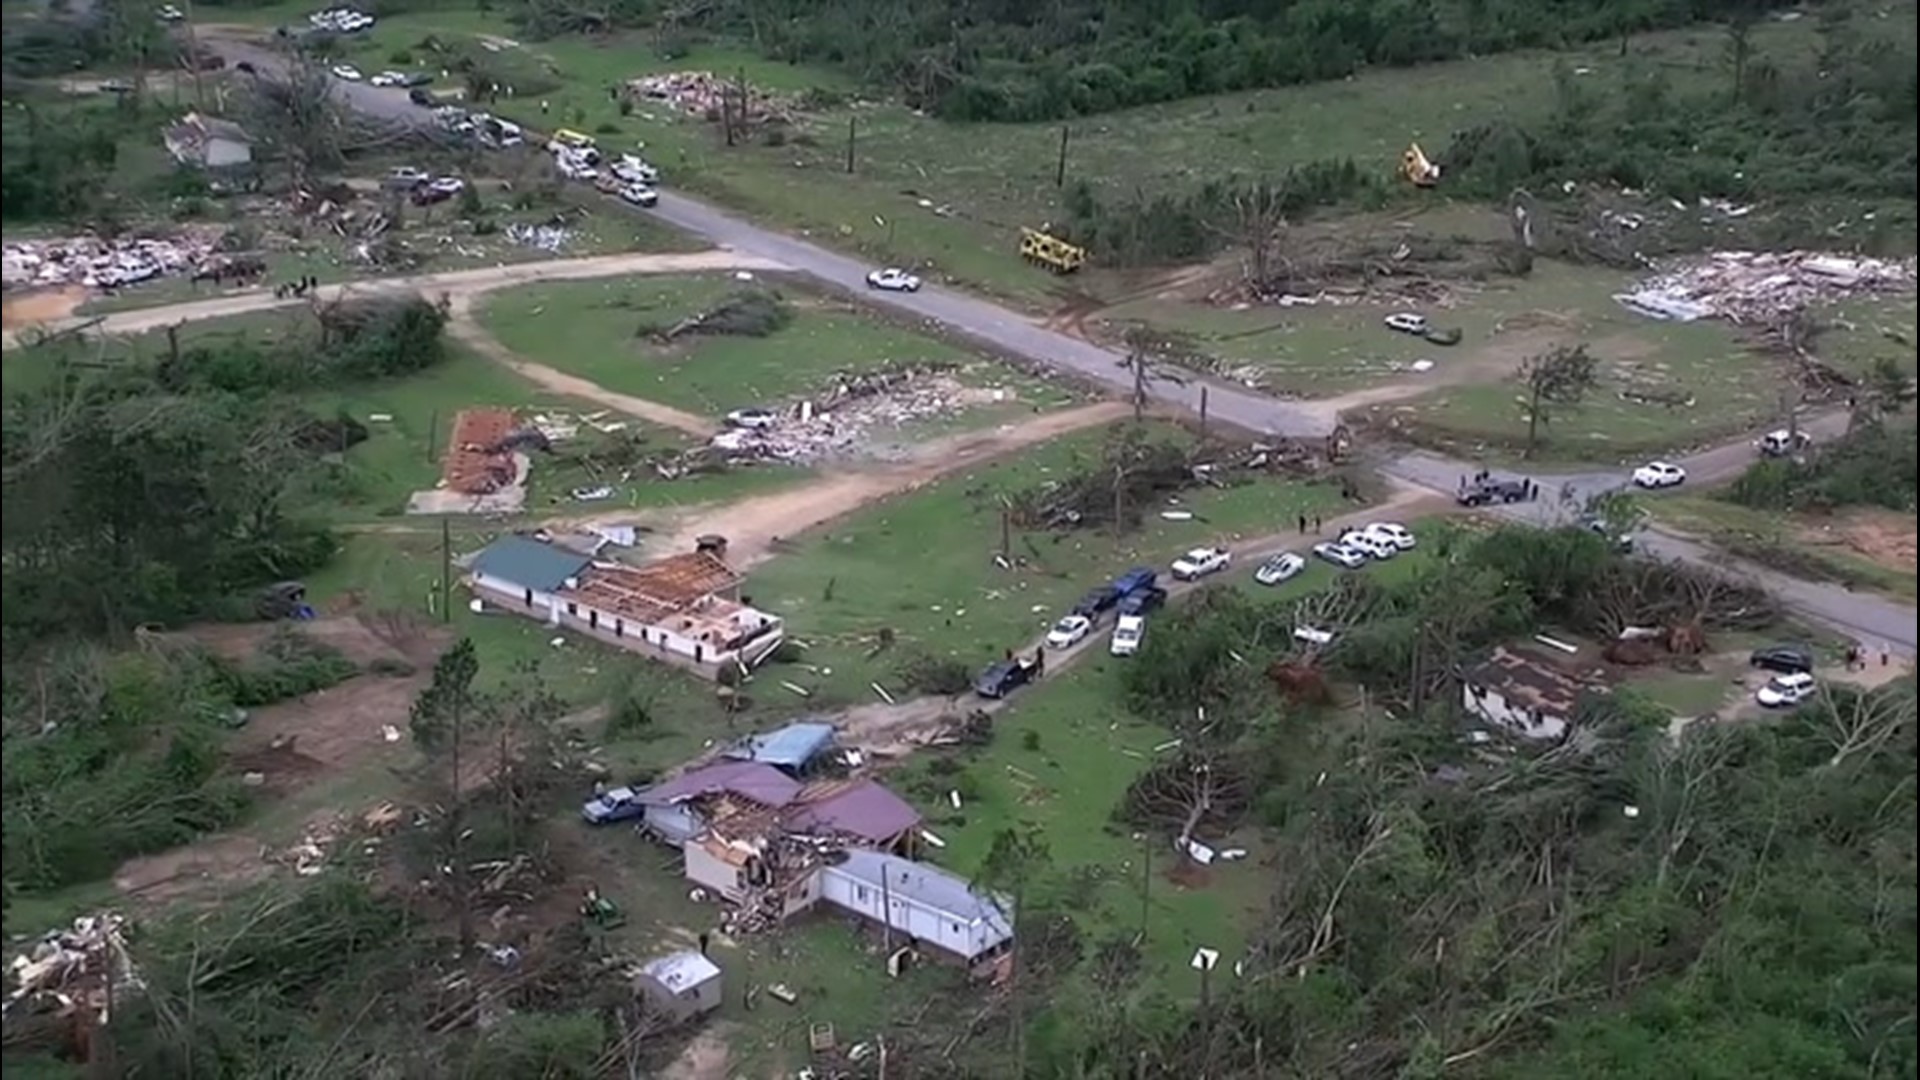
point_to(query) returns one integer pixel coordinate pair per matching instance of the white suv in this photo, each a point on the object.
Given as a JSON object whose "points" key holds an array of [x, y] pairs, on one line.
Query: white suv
{"points": [[1127, 633]]}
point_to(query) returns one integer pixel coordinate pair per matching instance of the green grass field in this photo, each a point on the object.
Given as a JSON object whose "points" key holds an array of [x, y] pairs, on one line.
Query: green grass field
{"points": [[922, 565], [589, 329], [954, 198]]}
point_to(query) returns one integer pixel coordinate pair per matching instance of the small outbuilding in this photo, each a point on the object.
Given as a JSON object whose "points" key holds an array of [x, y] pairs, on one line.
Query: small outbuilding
{"points": [[684, 985]]}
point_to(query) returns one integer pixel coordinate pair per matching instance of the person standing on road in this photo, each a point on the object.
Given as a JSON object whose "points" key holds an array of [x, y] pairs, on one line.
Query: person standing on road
{"points": [[1303, 523]]}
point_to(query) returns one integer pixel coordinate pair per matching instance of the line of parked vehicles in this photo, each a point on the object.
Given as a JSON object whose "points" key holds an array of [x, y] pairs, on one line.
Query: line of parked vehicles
{"points": [[577, 156], [1132, 596]]}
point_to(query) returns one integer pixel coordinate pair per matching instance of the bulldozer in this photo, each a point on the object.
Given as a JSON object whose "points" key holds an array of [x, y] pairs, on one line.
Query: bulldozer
{"points": [[1051, 252], [1416, 169]]}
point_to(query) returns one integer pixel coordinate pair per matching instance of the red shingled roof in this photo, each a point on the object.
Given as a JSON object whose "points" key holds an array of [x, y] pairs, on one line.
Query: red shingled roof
{"points": [[473, 465]]}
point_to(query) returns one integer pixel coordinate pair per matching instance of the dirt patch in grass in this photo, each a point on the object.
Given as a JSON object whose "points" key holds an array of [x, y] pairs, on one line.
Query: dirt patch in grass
{"points": [[43, 306], [1883, 537]]}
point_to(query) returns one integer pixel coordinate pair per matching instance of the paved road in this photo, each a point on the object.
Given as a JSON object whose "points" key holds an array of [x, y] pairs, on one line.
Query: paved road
{"points": [[1010, 333]]}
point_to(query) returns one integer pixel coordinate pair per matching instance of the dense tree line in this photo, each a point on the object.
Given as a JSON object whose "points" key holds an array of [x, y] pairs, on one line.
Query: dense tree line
{"points": [[991, 60], [1875, 465], [1737, 900]]}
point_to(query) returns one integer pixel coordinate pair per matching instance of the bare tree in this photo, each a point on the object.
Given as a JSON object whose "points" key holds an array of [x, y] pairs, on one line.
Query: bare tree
{"points": [[1260, 223], [439, 723], [1152, 356], [1739, 49], [1556, 380], [1862, 722]]}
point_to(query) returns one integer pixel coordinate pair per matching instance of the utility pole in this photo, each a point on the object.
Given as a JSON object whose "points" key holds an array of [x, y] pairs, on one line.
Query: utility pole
{"points": [[1146, 881], [446, 569], [851, 121], [1006, 533], [1060, 170], [1119, 498], [433, 433], [193, 58], [1203, 410]]}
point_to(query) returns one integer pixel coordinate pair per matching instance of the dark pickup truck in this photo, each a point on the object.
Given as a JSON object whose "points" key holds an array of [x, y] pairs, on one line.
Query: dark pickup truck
{"points": [[1485, 492]]}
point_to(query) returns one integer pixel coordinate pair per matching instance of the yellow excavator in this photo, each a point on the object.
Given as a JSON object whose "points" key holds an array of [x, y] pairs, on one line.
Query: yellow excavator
{"points": [[1051, 252], [1416, 169]]}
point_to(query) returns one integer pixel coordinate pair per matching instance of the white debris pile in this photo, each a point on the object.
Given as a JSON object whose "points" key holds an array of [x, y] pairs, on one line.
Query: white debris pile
{"points": [[844, 420], [99, 263], [1748, 287], [550, 238], [73, 969], [697, 92]]}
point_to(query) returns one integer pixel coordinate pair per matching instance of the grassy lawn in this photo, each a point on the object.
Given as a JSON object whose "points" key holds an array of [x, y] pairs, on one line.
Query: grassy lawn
{"points": [[588, 328], [401, 455], [955, 198], [922, 565], [1793, 537]]}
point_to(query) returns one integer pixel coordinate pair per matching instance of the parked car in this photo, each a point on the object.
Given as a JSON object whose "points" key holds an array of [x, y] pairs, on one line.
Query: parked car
{"points": [[389, 78], [169, 13], [405, 178], [1127, 635], [347, 72], [634, 168], [447, 185], [893, 279], [757, 419], [1368, 544], [1392, 533], [1140, 577], [1784, 690], [1622, 542], [1068, 632], [1003, 678], [1340, 555], [1493, 491], [1407, 322], [1279, 568], [1782, 443], [1200, 562], [422, 97], [592, 494], [614, 804], [1659, 474], [1142, 601], [1097, 602], [1787, 659], [640, 195]]}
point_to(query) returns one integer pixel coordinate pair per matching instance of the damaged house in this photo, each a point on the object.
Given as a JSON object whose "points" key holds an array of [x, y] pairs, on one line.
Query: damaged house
{"points": [[795, 749], [206, 142], [775, 849], [1523, 694], [684, 609], [480, 457]]}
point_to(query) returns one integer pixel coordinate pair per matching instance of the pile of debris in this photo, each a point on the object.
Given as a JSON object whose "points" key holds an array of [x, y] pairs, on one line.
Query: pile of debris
{"points": [[549, 238], [704, 94], [100, 263], [78, 970], [843, 418], [1760, 288]]}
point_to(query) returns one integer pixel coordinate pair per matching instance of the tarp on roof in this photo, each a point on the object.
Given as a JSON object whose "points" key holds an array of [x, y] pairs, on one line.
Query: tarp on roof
{"points": [[790, 747], [529, 564], [857, 808], [763, 784]]}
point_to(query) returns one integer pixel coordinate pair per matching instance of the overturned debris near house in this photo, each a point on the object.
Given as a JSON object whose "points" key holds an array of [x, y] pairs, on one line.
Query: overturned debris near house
{"points": [[100, 263], [849, 414], [76, 974], [1758, 288]]}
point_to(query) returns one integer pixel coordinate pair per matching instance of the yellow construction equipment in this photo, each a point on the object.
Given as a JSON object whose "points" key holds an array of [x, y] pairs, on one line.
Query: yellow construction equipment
{"points": [[1051, 252], [1417, 169]]}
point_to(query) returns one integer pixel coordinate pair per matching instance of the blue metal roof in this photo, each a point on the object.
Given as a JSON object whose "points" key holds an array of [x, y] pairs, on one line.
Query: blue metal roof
{"points": [[529, 564], [790, 747]]}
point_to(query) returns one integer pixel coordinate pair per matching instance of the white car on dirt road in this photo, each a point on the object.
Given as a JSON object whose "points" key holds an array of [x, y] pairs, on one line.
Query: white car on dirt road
{"points": [[1068, 632], [1392, 533], [640, 195], [893, 279], [1784, 690], [1407, 322], [1340, 555], [1366, 543], [1200, 562], [1659, 474], [1279, 568], [753, 419], [347, 72], [1127, 635]]}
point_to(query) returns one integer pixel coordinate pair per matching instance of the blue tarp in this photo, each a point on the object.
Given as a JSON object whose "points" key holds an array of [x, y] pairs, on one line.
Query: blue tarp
{"points": [[790, 748]]}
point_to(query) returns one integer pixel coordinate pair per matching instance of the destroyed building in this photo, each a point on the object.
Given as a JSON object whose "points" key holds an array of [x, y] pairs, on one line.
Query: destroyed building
{"points": [[206, 142], [480, 458], [683, 609], [1524, 694]]}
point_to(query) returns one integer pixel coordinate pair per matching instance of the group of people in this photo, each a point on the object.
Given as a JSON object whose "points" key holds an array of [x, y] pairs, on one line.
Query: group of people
{"points": [[302, 287], [1304, 521]]}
